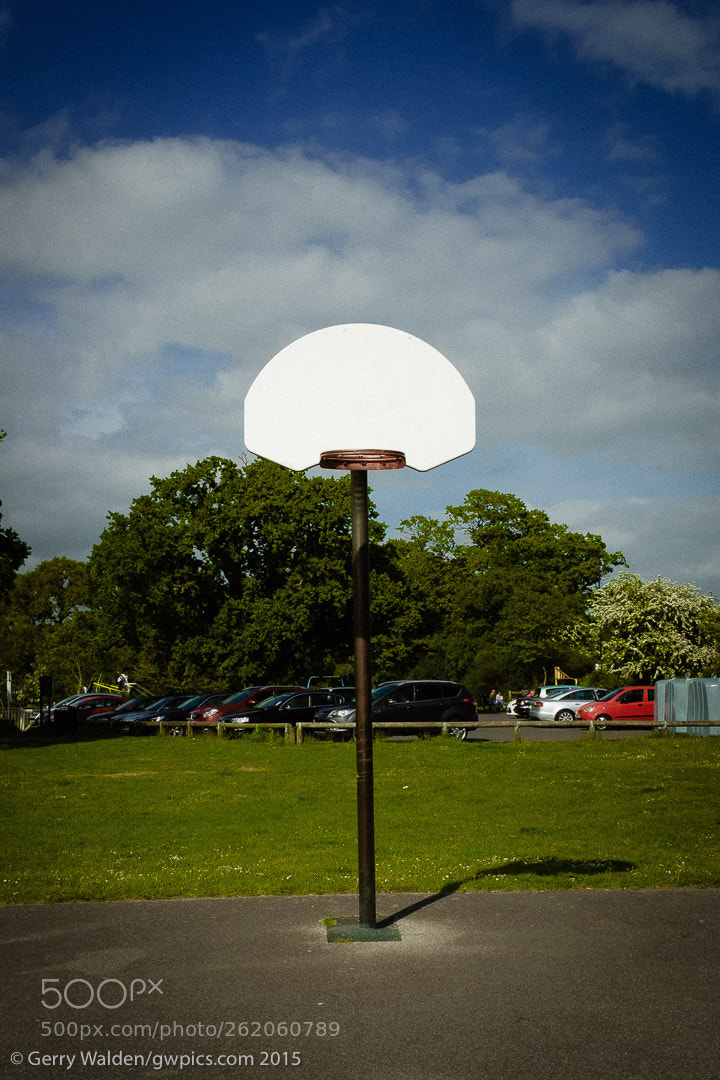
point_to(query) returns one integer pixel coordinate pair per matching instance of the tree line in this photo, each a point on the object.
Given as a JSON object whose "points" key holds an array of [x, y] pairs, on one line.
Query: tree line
{"points": [[226, 575]]}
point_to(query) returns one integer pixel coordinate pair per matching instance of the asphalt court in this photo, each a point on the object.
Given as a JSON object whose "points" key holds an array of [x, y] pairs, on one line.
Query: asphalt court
{"points": [[585, 983]]}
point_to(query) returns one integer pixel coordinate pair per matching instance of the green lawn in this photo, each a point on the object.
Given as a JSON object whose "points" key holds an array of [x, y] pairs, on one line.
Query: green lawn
{"points": [[118, 818]]}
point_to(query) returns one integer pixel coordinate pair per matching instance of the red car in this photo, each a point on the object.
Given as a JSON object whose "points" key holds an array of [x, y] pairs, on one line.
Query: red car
{"points": [[627, 703], [74, 713], [240, 702]]}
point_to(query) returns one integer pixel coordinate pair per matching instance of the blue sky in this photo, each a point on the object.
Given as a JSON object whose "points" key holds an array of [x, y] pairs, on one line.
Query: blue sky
{"points": [[529, 185]]}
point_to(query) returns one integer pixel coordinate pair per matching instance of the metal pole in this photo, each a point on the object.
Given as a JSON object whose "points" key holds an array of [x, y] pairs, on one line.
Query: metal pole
{"points": [[361, 604]]}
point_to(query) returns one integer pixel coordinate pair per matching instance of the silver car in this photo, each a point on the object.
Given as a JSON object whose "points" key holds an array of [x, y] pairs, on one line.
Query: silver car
{"points": [[519, 706], [564, 706]]}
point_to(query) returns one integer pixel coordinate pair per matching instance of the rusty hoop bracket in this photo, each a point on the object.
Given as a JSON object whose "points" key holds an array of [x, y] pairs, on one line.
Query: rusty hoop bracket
{"points": [[362, 459]]}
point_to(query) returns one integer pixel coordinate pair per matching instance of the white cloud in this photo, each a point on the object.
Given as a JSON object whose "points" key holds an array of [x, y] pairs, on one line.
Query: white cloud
{"points": [[521, 140], [622, 148], [389, 124], [630, 370], [62, 490], [213, 245], [653, 41], [150, 282], [329, 28]]}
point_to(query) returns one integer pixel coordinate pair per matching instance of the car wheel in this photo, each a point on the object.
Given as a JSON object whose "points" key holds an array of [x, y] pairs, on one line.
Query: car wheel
{"points": [[604, 719], [458, 732], [565, 715]]}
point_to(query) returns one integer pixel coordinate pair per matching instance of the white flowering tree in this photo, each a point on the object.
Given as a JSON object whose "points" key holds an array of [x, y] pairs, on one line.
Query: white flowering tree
{"points": [[641, 631]]}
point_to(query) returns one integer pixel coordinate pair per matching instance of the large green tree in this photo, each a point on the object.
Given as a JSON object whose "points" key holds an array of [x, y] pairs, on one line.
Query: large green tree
{"points": [[225, 575], [642, 631], [510, 583], [47, 626]]}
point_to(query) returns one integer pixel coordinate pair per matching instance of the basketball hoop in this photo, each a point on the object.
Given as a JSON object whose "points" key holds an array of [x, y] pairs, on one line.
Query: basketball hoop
{"points": [[362, 459]]}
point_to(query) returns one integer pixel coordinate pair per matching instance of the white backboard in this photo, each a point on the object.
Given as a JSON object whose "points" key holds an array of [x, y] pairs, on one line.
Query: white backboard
{"points": [[359, 386]]}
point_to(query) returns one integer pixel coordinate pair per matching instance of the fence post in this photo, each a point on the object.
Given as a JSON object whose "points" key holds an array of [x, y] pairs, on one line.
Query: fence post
{"points": [[591, 730], [289, 734], [516, 734], [299, 734], [220, 729]]}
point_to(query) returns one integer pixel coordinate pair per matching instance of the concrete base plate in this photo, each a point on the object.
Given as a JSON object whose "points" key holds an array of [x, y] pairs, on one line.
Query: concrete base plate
{"points": [[349, 929]]}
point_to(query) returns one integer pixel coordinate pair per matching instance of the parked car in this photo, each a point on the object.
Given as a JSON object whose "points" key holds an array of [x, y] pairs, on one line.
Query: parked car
{"points": [[129, 706], [289, 708], [176, 708], [564, 706], [182, 710], [627, 703], [132, 719], [416, 701], [521, 704], [75, 713], [347, 697], [239, 702], [37, 717]]}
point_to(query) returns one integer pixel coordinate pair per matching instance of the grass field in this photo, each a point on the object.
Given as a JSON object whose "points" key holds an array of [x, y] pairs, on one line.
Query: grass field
{"points": [[119, 818]]}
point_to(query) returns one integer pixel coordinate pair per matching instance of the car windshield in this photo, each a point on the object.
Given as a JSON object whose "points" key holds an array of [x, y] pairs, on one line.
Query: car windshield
{"points": [[156, 703], [273, 702], [610, 694], [183, 703], [201, 699], [233, 699], [132, 705], [383, 691], [191, 702]]}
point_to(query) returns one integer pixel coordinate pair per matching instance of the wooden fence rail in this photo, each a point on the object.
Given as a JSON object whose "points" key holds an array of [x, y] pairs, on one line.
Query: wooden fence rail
{"points": [[295, 733]]}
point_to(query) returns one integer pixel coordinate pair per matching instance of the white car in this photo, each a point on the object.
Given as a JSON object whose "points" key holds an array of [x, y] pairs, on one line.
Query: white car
{"points": [[519, 706], [565, 706]]}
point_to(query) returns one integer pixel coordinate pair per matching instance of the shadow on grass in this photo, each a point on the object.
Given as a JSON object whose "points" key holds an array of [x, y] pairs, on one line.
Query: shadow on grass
{"points": [[542, 868], [551, 865], [15, 739]]}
